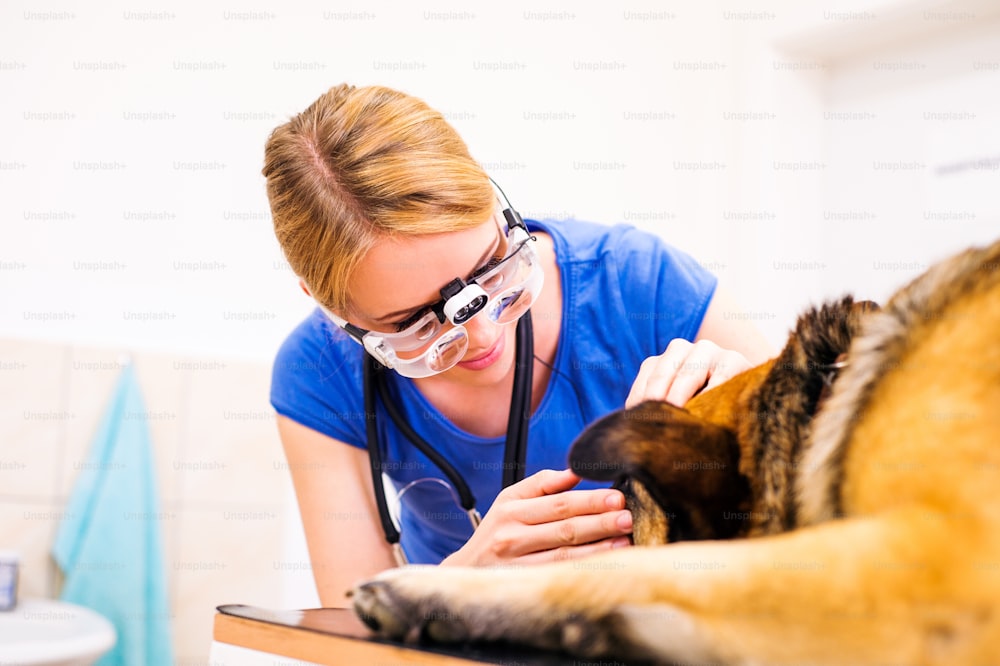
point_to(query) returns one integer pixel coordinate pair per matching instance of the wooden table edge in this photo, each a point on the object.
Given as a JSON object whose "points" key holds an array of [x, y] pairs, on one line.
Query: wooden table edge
{"points": [[320, 648]]}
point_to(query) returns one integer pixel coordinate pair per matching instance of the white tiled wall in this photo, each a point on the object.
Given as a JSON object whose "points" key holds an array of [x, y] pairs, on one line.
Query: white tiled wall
{"points": [[223, 487]]}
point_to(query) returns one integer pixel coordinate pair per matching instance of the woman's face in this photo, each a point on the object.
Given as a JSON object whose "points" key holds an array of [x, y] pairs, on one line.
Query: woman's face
{"points": [[400, 277]]}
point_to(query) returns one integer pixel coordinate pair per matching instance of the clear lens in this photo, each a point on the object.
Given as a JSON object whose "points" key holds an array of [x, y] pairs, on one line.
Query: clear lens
{"points": [[426, 328], [510, 306], [442, 354], [513, 285], [491, 281], [417, 336], [448, 350]]}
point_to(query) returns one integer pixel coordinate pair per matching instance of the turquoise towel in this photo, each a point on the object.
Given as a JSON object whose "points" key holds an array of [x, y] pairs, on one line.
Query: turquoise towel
{"points": [[109, 545]]}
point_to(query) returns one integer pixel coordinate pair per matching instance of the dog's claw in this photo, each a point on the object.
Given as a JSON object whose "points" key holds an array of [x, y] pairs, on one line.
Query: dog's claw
{"points": [[373, 604]]}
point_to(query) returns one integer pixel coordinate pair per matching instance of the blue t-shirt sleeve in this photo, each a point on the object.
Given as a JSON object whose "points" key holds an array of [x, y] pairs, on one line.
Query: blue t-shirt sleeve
{"points": [[316, 381], [665, 291]]}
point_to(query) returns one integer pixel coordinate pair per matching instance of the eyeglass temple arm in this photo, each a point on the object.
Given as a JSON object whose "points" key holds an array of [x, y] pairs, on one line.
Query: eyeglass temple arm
{"points": [[355, 332], [512, 217]]}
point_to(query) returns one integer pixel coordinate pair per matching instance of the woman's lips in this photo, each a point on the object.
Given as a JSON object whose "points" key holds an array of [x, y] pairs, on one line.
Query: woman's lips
{"points": [[487, 359]]}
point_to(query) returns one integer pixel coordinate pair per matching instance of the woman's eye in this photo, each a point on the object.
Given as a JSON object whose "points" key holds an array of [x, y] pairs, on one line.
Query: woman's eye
{"points": [[426, 330], [486, 268], [408, 322], [493, 262], [416, 317], [491, 282]]}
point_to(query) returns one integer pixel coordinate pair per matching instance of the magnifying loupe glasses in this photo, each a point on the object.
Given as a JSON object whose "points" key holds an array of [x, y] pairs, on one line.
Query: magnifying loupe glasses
{"points": [[438, 339]]}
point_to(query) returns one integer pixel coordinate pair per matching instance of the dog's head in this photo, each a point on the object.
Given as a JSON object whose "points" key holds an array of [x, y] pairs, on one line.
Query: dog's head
{"points": [[723, 466]]}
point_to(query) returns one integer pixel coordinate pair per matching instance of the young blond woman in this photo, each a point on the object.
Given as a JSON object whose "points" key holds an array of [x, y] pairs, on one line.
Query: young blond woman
{"points": [[384, 216]]}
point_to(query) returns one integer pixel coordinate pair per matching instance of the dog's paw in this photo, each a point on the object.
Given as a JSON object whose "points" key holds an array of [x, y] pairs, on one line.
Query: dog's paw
{"points": [[395, 607], [416, 604], [439, 605]]}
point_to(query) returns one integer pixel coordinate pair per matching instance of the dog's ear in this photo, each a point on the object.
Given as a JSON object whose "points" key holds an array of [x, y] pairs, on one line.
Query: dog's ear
{"points": [[689, 466]]}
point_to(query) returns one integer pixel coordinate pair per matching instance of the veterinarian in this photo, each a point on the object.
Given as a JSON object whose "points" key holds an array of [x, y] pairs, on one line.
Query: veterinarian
{"points": [[439, 309]]}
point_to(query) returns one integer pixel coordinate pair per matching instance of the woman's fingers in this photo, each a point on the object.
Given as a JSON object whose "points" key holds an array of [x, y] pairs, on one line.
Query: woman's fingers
{"points": [[566, 519], [730, 364], [580, 530], [542, 513], [693, 372], [684, 369], [567, 505], [576, 552], [656, 374], [517, 539], [539, 484]]}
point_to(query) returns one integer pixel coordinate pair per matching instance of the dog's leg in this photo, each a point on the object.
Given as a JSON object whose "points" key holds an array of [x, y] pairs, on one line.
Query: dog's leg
{"points": [[841, 592]]}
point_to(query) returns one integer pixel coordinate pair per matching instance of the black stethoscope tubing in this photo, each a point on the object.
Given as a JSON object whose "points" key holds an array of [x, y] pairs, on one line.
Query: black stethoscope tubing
{"points": [[515, 446]]}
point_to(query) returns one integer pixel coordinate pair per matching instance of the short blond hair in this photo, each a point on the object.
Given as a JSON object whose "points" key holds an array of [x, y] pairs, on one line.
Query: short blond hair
{"points": [[360, 164]]}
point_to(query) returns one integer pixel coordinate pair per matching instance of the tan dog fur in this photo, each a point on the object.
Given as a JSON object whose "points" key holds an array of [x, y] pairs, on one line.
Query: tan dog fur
{"points": [[893, 549]]}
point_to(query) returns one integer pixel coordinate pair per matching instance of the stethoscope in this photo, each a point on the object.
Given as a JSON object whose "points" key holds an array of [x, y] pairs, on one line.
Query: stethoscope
{"points": [[515, 448]]}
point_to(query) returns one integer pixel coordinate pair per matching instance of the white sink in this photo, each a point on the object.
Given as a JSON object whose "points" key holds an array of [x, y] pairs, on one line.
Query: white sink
{"points": [[44, 632]]}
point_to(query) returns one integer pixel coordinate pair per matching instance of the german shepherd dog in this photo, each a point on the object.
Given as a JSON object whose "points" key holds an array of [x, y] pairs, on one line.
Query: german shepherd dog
{"points": [[870, 508]]}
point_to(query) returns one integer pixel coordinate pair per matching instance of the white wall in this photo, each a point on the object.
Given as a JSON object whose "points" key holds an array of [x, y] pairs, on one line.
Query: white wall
{"points": [[911, 124], [132, 206]]}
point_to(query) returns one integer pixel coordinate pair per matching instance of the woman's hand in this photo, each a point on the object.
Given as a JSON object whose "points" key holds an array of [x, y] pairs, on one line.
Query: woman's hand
{"points": [[683, 370], [541, 519]]}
